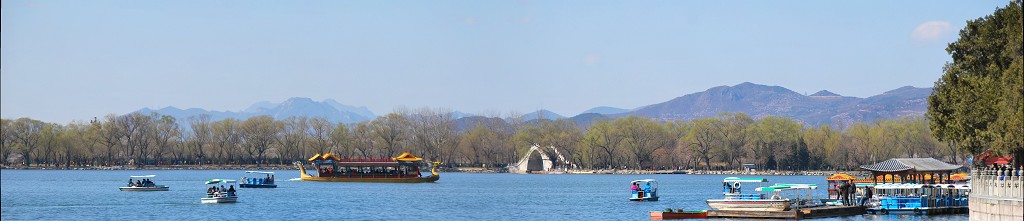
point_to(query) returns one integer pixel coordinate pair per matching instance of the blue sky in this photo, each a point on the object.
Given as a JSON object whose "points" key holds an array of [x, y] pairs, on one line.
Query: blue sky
{"points": [[75, 60]]}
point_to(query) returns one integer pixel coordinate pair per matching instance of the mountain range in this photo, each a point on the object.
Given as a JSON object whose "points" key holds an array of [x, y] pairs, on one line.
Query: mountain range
{"points": [[823, 107]]}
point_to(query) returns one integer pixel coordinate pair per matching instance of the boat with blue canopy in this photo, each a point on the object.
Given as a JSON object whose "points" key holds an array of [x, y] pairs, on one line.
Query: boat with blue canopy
{"points": [[919, 199], [143, 183], [258, 179]]}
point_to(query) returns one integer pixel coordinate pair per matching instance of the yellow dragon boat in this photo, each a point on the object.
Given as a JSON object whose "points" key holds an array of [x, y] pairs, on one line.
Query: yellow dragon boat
{"points": [[401, 169]]}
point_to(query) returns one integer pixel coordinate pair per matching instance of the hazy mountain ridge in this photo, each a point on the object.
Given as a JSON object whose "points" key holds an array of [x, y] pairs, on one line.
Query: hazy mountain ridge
{"points": [[760, 101], [296, 106], [823, 107]]}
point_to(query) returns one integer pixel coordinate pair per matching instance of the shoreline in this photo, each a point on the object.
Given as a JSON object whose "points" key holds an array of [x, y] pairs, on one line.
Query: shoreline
{"points": [[461, 169]]}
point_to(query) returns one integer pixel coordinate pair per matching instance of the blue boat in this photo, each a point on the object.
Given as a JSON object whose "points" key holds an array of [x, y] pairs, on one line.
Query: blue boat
{"points": [[919, 199], [256, 181], [646, 190]]}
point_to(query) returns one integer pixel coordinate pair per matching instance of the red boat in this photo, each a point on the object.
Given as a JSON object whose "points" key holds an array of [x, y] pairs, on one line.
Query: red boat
{"points": [[679, 214]]}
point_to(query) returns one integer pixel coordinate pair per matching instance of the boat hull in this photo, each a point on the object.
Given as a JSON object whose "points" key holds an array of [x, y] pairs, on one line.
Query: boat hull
{"points": [[644, 199], [140, 189], [428, 179], [750, 205], [219, 199], [660, 215], [246, 185]]}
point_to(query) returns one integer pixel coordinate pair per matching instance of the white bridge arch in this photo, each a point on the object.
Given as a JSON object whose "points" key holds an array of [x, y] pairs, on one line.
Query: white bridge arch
{"points": [[546, 162]]}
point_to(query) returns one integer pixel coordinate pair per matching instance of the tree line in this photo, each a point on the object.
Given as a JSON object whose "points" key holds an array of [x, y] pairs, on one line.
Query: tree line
{"points": [[724, 142]]}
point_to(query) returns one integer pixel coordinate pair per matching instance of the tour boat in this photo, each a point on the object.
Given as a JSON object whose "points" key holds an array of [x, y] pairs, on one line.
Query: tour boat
{"points": [[735, 199], [217, 195], [149, 185], [258, 182], [919, 199], [647, 190], [679, 214], [402, 169]]}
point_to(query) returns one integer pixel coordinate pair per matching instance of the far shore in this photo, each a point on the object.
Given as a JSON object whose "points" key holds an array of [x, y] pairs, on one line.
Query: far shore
{"points": [[458, 169]]}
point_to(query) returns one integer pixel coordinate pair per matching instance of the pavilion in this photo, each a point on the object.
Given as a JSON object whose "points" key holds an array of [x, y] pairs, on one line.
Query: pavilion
{"points": [[912, 170]]}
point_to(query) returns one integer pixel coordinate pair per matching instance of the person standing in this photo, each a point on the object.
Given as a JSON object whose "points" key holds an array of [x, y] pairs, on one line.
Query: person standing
{"points": [[844, 193], [867, 195]]}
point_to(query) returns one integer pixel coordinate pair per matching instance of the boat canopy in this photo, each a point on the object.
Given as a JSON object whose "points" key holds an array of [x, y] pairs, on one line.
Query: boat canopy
{"points": [[407, 157], [840, 176], [144, 176], [645, 181], [891, 186], [317, 156], [216, 181], [260, 172], [745, 180], [864, 184], [781, 186]]}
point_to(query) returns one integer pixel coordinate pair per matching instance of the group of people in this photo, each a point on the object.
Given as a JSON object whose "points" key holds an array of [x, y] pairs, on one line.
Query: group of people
{"points": [[268, 180], [213, 191], [140, 183], [636, 187], [848, 192]]}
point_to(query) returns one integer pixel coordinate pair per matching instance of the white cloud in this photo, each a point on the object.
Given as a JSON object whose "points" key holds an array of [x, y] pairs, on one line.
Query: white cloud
{"points": [[931, 31]]}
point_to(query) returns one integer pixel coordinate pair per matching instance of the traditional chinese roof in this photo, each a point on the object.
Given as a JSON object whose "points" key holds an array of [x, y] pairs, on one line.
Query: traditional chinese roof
{"points": [[406, 156], [840, 176], [906, 164]]}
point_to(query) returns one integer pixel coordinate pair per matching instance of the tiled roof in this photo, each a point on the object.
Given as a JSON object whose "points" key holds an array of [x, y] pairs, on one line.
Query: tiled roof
{"points": [[917, 164]]}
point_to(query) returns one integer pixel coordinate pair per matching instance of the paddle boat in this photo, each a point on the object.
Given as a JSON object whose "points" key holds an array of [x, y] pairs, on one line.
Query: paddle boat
{"points": [[919, 199], [219, 195], [736, 199], [644, 190], [800, 195], [257, 182], [143, 183]]}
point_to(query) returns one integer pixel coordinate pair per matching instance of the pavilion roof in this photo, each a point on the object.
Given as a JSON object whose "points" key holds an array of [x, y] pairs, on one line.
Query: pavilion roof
{"points": [[906, 164]]}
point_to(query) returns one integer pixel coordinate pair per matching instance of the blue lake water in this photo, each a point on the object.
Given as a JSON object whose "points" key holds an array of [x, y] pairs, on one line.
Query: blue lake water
{"points": [[93, 195]]}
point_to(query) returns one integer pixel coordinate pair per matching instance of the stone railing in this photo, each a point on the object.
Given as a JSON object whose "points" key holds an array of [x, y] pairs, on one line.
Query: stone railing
{"points": [[1006, 184]]}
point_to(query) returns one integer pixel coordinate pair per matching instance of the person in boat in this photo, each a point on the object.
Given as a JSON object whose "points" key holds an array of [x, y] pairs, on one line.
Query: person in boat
{"points": [[231, 191], [222, 189], [129, 182], [635, 187], [776, 196], [647, 188], [138, 183]]}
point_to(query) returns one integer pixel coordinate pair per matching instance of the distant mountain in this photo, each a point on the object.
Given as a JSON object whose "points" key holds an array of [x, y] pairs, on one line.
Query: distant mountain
{"points": [[759, 101], [824, 93], [542, 114], [296, 106], [605, 110], [586, 119]]}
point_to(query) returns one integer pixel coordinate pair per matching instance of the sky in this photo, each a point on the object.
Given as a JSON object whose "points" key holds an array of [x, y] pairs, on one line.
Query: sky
{"points": [[68, 60]]}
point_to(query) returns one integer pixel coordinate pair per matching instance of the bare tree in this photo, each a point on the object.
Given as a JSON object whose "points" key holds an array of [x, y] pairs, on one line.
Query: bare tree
{"points": [[202, 134], [27, 133], [392, 130], [258, 133]]}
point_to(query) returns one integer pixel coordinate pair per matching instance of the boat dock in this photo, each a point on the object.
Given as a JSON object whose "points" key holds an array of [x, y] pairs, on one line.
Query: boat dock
{"points": [[805, 213]]}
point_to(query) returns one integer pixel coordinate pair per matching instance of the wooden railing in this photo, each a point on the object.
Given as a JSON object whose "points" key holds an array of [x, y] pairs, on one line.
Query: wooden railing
{"points": [[1008, 184]]}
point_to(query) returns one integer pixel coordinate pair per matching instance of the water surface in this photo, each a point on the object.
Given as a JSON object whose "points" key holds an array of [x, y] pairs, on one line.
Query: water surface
{"points": [[93, 195]]}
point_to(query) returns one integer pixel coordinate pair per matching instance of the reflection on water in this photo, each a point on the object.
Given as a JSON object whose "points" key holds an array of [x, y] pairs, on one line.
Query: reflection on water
{"points": [[93, 195]]}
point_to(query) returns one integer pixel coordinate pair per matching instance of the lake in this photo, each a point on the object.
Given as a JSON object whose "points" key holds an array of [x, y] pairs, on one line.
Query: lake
{"points": [[93, 195]]}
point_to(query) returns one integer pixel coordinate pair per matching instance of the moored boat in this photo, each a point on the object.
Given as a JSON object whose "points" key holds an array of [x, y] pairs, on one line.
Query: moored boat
{"points": [[736, 199], [219, 195], [402, 169], [143, 183], [920, 199], [643, 190], [679, 214], [257, 182]]}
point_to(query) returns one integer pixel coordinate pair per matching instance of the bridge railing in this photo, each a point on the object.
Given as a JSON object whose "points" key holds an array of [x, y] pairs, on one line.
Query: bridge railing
{"points": [[995, 183]]}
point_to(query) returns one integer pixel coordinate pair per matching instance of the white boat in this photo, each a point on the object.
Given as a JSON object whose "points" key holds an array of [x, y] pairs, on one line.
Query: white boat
{"points": [[644, 191], [143, 183], [735, 199], [216, 195]]}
